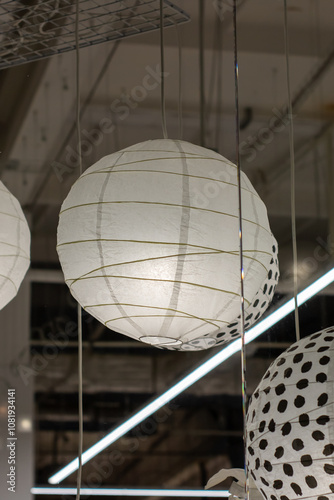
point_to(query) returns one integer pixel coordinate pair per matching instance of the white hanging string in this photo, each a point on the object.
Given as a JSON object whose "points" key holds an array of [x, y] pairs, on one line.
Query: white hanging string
{"points": [[80, 390], [215, 81], [201, 72], [213, 71], [242, 297], [319, 102], [162, 64], [219, 81], [179, 42], [293, 174], [80, 447]]}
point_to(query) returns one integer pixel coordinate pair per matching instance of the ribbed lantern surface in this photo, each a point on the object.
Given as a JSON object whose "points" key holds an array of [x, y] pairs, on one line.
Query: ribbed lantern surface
{"points": [[14, 246], [148, 240]]}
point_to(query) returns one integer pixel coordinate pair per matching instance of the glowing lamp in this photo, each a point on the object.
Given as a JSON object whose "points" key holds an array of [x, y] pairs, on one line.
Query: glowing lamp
{"points": [[14, 246], [148, 240]]}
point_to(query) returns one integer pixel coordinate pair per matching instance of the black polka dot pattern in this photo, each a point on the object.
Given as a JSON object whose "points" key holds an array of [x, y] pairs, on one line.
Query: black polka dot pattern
{"points": [[296, 488], [329, 469], [286, 429], [328, 450], [311, 481], [302, 384], [292, 423], [306, 460], [260, 303], [304, 420], [288, 469], [267, 465], [278, 484]]}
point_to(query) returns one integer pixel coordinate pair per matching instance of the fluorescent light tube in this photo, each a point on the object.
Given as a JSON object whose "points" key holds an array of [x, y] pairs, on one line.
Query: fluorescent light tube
{"points": [[132, 492], [194, 376]]}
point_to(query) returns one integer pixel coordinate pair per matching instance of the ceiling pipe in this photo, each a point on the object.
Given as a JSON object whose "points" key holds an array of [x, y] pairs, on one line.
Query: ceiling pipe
{"points": [[313, 79], [280, 169], [301, 95], [18, 87]]}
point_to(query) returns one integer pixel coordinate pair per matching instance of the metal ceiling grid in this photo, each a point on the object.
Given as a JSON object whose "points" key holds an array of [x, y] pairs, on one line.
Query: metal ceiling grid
{"points": [[32, 30]]}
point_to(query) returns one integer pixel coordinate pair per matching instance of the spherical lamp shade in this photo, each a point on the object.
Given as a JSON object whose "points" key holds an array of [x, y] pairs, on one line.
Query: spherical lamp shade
{"points": [[148, 242], [14, 246], [290, 423]]}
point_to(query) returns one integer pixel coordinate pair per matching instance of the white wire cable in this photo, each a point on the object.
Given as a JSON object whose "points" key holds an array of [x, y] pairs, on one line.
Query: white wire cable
{"points": [[162, 64], [293, 174], [201, 73], [242, 294], [80, 390], [80, 447], [219, 51], [179, 42]]}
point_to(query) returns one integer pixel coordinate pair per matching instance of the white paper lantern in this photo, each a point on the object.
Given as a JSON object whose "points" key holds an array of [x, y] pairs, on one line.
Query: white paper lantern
{"points": [[238, 485], [14, 246], [290, 423], [149, 245]]}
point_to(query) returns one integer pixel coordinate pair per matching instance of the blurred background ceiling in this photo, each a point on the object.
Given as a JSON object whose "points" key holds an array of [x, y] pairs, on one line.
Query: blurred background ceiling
{"points": [[201, 431]]}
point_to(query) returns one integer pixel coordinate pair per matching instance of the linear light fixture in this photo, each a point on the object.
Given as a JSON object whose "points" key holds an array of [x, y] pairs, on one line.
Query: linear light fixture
{"points": [[194, 376], [132, 492]]}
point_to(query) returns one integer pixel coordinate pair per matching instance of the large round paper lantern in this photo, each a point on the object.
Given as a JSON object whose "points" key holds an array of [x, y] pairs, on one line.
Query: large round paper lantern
{"points": [[148, 241], [14, 246], [290, 423]]}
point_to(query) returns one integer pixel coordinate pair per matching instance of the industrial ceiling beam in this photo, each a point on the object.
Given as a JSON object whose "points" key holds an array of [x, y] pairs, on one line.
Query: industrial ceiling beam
{"points": [[18, 86]]}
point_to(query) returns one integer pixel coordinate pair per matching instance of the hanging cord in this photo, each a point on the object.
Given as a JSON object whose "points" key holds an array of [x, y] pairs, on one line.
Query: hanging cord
{"points": [[47, 114], [242, 299], [201, 72], [78, 84], [219, 82], [179, 43], [213, 70], [293, 175], [80, 446], [319, 101], [162, 64], [318, 51], [215, 81]]}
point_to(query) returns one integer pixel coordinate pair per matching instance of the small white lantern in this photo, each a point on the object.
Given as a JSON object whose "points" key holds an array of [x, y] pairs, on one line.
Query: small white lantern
{"points": [[290, 423], [148, 241], [14, 246]]}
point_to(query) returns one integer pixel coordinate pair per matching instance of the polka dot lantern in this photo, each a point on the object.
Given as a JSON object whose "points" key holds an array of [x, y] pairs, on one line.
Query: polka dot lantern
{"points": [[148, 240], [14, 246], [290, 423]]}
